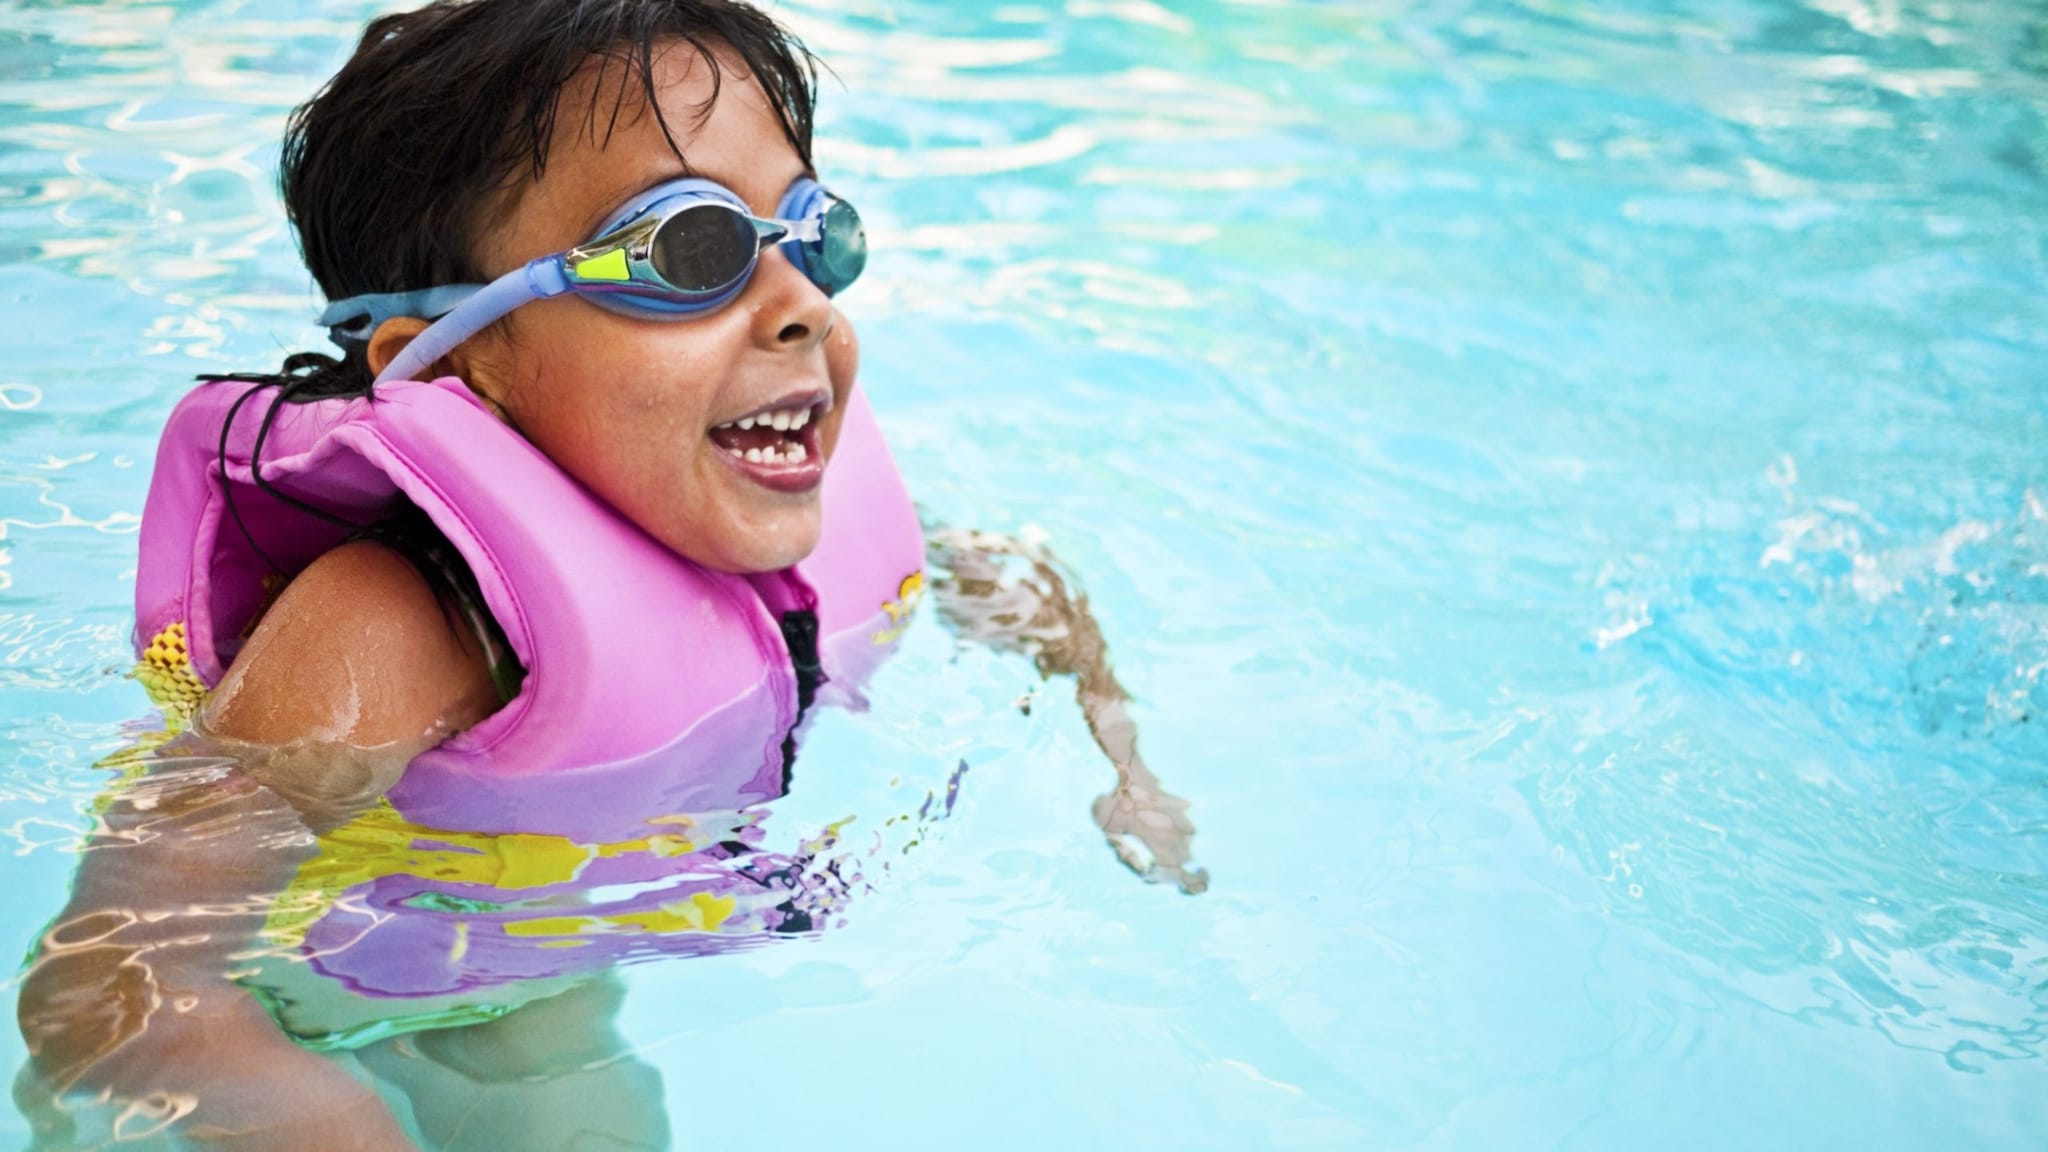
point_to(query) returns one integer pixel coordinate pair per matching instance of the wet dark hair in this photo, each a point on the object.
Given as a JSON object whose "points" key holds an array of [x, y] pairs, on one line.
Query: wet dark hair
{"points": [[442, 109], [437, 114]]}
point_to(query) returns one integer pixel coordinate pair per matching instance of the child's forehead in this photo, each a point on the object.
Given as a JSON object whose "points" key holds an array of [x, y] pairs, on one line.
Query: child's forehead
{"points": [[709, 118], [704, 99]]}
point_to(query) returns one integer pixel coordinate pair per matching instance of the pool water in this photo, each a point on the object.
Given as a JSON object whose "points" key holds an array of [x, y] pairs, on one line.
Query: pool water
{"points": [[1565, 482]]}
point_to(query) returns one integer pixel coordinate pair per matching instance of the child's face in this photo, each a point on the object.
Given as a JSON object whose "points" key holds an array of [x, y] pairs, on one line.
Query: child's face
{"points": [[627, 405]]}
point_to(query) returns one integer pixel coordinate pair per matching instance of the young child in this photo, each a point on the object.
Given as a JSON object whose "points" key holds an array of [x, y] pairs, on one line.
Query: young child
{"points": [[590, 481]]}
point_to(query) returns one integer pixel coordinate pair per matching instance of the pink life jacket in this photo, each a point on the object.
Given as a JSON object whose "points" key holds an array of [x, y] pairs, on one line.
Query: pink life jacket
{"points": [[653, 685]]}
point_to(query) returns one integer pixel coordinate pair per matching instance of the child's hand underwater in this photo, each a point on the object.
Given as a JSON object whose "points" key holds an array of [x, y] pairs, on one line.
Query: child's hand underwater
{"points": [[1152, 835]]}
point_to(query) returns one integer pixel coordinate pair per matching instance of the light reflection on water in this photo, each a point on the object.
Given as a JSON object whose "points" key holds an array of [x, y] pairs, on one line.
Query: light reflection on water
{"points": [[1564, 479]]}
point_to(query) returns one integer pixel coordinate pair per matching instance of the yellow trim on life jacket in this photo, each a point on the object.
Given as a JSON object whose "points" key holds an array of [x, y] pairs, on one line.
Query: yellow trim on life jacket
{"points": [[381, 843], [909, 592], [165, 672], [700, 912]]}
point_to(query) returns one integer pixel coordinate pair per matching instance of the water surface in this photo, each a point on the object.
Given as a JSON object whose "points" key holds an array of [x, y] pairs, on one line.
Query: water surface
{"points": [[1564, 480]]}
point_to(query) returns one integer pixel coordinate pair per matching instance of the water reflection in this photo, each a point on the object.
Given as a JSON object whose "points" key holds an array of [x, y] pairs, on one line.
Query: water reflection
{"points": [[228, 917]]}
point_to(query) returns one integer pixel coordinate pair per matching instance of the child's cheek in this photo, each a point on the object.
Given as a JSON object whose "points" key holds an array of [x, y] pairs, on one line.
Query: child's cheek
{"points": [[842, 364], [842, 353]]}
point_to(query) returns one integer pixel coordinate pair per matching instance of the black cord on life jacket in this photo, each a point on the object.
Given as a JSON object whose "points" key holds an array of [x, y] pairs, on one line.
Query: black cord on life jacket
{"points": [[800, 636]]}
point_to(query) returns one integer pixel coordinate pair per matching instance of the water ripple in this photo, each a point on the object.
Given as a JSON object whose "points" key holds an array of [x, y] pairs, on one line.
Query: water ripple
{"points": [[1562, 479]]}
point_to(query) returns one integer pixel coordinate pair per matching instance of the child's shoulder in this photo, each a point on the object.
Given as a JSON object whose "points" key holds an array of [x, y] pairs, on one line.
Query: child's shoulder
{"points": [[358, 649]]}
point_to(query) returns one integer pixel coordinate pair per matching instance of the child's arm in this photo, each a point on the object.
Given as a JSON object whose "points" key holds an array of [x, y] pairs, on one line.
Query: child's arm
{"points": [[130, 997], [1010, 594], [350, 674], [358, 651]]}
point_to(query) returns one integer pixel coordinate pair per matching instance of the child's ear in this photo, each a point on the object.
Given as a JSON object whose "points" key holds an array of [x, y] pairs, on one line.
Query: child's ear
{"points": [[394, 334], [390, 339]]}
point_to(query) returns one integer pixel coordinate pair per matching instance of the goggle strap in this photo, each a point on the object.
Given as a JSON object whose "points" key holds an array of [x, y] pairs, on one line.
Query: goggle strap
{"points": [[537, 280], [357, 317]]}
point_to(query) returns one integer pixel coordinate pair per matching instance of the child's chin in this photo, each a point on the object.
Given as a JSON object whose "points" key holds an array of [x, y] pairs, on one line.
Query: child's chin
{"points": [[764, 544]]}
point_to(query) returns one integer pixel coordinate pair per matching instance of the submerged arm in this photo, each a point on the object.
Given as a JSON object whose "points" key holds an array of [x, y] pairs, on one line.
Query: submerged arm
{"points": [[132, 999], [131, 1003], [1010, 594]]}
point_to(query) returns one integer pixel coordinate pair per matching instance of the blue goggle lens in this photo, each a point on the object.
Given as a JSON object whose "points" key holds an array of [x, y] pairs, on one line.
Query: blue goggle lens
{"points": [[837, 258]]}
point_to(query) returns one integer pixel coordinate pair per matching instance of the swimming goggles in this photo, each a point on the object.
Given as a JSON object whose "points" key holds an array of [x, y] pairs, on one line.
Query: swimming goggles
{"points": [[678, 250]]}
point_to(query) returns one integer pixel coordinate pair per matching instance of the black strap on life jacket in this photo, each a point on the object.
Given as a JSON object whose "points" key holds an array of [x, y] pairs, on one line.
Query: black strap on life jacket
{"points": [[800, 636]]}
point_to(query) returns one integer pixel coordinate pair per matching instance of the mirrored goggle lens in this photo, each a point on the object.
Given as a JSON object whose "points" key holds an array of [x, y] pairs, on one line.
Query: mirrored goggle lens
{"points": [[704, 248], [836, 259]]}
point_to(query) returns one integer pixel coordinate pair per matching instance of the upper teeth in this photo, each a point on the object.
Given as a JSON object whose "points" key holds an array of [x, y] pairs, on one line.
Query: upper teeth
{"points": [[774, 454], [781, 419]]}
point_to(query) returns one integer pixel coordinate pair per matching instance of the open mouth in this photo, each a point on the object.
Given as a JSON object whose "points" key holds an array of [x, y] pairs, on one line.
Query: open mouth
{"points": [[776, 446]]}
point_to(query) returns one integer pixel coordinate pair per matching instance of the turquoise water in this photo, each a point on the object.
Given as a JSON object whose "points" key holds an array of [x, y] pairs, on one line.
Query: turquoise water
{"points": [[1565, 482]]}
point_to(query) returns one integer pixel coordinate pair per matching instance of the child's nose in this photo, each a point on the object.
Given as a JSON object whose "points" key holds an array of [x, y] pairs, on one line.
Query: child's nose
{"points": [[790, 312]]}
